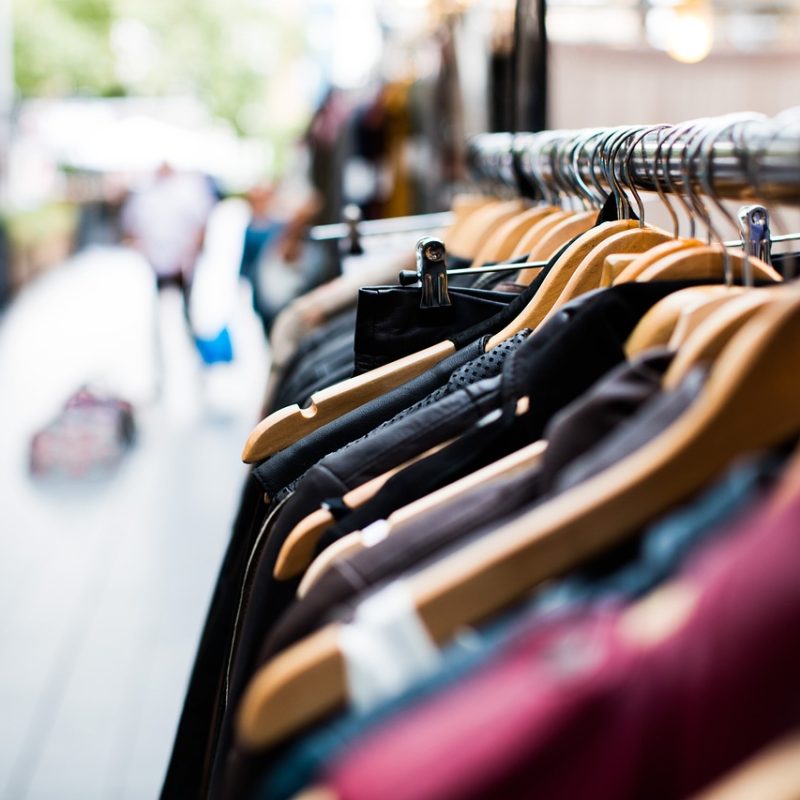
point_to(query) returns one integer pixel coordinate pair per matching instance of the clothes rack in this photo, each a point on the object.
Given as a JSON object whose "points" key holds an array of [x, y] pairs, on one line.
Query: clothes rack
{"points": [[748, 159]]}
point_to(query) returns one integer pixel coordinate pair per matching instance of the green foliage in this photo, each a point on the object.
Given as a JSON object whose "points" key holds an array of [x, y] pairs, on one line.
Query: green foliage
{"points": [[62, 47], [225, 52]]}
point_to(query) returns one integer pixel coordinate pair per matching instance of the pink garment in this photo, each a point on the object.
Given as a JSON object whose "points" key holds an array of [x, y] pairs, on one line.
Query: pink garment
{"points": [[581, 711]]}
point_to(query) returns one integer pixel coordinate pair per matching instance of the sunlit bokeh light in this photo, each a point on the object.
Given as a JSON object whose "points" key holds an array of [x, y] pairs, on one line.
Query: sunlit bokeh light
{"points": [[690, 33]]}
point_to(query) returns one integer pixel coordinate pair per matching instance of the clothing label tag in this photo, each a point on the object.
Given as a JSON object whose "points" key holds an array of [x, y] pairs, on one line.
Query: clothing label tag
{"points": [[386, 648], [374, 533]]}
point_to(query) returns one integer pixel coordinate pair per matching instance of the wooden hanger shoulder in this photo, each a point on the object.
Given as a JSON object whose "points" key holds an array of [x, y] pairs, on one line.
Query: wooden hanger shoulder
{"points": [[340, 550], [297, 551], [500, 245], [481, 224], [713, 334], [464, 209], [354, 542], [589, 274], [290, 424], [307, 681], [771, 774], [613, 267], [537, 230], [553, 284], [692, 317], [648, 258], [566, 230], [705, 262], [657, 326]]}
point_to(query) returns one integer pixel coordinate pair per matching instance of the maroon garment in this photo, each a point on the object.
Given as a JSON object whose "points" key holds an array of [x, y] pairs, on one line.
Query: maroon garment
{"points": [[582, 710]]}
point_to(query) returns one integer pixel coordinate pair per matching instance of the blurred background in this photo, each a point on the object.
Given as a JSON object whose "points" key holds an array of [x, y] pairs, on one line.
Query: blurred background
{"points": [[190, 144]]}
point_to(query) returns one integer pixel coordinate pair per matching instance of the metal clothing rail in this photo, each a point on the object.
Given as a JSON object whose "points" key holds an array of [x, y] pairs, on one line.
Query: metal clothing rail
{"points": [[742, 156], [382, 227]]}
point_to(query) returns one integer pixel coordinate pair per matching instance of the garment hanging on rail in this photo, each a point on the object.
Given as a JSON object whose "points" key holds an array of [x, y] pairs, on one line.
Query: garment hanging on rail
{"points": [[509, 571]]}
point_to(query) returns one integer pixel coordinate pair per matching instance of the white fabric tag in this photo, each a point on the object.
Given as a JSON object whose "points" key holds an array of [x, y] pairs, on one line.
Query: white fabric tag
{"points": [[374, 533], [386, 648]]}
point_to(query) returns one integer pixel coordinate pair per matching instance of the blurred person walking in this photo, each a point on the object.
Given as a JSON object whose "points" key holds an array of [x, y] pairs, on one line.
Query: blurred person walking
{"points": [[166, 221]]}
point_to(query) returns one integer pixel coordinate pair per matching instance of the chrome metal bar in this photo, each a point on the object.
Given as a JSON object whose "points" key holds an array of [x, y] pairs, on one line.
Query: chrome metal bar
{"points": [[382, 227], [748, 158]]}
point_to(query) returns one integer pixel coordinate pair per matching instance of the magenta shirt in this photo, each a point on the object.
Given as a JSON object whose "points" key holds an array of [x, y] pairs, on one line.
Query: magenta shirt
{"points": [[583, 709]]}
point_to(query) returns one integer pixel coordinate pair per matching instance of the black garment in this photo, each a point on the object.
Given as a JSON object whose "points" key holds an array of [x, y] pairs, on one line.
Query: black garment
{"points": [[430, 422], [391, 324], [188, 771], [343, 322], [572, 432], [581, 335], [488, 513], [281, 469], [192, 751], [332, 358], [551, 370], [349, 462], [664, 409], [193, 746]]}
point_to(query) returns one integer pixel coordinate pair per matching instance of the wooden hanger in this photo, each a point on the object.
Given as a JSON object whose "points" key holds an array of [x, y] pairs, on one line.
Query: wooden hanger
{"points": [[713, 334], [326, 793], [500, 245], [657, 327], [288, 425], [537, 230], [692, 317], [481, 225], [339, 550], [553, 284], [648, 258], [291, 423], [613, 268], [705, 262], [771, 774], [464, 207], [354, 542], [554, 239], [751, 401], [589, 273], [297, 551]]}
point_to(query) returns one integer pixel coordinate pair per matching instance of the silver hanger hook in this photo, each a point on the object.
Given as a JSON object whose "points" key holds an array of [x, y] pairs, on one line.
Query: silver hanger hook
{"points": [[595, 195], [593, 155], [572, 164], [609, 152], [726, 125], [551, 147], [640, 137], [689, 159], [562, 168], [752, 139], [619, 175], [526, 146], [602, 152], [659, 171], [539, 141], [674, 136], [597, 166]]}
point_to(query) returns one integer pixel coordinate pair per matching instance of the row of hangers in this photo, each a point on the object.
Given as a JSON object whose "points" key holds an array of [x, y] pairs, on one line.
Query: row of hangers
{"points": [[751, 337], [581, 165]]}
